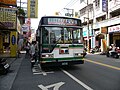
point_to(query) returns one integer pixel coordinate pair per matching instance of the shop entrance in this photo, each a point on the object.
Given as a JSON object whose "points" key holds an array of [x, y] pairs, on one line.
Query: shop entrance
{"points": [[117, 43], [98, 39]]}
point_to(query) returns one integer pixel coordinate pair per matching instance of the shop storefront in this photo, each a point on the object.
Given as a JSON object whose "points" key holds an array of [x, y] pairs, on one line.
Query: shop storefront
{"points": [[85, 37], [8, 32], [114, 35], [101, 39]]}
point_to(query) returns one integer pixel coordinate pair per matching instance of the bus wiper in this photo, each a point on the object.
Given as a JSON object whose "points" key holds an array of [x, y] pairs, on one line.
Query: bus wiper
{"points": [[55, 44]]}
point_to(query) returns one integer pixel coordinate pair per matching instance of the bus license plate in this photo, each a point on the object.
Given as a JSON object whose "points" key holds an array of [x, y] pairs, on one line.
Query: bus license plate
{"points": [[65, 63]]}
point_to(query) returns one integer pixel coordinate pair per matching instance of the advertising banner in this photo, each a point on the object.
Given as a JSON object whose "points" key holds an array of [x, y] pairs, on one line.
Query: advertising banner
{"points": [[11, 2], [8, 17], [114, 29]]}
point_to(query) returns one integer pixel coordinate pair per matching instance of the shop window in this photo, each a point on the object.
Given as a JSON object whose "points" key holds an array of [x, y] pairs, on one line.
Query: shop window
{"points": [[101, 18], [115, 13]]}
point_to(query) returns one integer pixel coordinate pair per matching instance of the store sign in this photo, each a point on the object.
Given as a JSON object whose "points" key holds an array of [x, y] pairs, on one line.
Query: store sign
{"points": [[104, 5], [8, 17], [12, 2], [25, 28], [32, 8], [114, 29], [13, 40]]}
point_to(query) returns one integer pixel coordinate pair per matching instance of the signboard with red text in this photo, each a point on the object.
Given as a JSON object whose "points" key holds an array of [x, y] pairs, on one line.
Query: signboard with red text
{"points": [[114, 29]]}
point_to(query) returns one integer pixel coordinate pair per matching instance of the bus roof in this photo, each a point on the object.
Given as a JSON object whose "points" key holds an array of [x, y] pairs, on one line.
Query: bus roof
{"points": [[59, 17]]}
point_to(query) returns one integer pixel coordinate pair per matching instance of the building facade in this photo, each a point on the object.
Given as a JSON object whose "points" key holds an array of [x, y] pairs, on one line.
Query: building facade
{"points": [[101, 22]]}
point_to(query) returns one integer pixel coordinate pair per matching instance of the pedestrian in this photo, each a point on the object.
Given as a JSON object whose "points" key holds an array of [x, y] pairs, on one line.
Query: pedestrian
{"points": [[33, 53], [113, 49], [27, 48], [20, 45]]}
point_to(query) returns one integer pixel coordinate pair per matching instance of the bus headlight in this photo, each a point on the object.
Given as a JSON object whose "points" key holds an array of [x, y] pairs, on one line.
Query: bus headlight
{"points": [[47, 56], [78, 54]]}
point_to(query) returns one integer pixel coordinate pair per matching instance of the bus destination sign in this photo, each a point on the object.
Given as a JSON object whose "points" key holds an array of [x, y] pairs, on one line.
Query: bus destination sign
{"points": [[62, 21]]}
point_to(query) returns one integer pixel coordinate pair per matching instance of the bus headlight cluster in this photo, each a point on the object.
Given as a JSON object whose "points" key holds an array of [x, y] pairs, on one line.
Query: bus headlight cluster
{"points": [[78, 54], [47, 56]]}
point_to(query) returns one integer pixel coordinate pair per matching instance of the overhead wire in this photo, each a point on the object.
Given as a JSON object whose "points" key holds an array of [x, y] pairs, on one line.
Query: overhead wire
{"points": [[75, 1], [69, 4]]}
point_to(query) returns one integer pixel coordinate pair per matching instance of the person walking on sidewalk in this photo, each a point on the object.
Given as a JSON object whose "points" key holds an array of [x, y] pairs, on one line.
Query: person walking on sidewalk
{"points": [[33, 54], [20, 45]]}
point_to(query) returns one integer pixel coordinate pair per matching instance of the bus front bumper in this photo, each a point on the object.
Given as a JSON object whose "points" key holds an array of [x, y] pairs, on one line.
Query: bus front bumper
{"points": [[61, 63]]}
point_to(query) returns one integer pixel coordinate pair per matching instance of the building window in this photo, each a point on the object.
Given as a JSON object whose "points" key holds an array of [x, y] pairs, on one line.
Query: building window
{"points": [[97, 3], [81, 1], [101, 18]]}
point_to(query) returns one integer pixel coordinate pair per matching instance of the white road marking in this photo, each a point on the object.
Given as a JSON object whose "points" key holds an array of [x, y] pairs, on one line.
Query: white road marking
{"points": [[56, 86], [37, 70], [77, 80], [42, 73]]}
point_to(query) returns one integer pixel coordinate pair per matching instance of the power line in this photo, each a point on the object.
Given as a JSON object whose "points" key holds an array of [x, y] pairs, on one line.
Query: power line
{"points": [[73, 3], [69, 4]]}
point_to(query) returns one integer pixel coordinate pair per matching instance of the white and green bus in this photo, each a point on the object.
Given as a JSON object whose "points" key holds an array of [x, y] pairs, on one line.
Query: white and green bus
{"points": [[60, 41]]}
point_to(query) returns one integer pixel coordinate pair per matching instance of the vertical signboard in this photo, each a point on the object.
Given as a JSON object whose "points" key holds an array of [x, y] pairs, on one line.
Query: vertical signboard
{"points": [[13, 43], [104, 5], [32, 8]]}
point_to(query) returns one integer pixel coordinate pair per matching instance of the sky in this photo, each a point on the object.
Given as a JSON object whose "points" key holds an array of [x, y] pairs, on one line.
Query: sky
{"points": [[49, 7]]}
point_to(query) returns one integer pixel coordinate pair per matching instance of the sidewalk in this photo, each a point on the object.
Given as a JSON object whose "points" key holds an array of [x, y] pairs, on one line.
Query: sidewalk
{"points": [[6, 81]]}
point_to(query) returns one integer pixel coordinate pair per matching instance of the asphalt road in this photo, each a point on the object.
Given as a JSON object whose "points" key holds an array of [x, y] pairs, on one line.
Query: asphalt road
{"points": [[97, 73]]}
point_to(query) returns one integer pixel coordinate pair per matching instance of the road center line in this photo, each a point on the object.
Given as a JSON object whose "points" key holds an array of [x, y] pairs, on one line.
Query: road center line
{"points": [[77, 80], [106, 65]]}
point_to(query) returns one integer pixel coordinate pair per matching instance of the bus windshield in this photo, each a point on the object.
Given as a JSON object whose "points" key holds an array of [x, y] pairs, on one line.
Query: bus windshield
{"points": [[59, 35]]}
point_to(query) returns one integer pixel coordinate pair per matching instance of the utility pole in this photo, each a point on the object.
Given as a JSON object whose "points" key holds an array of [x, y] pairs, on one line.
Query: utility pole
{"points": [[20, 4], [88, 32]]}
